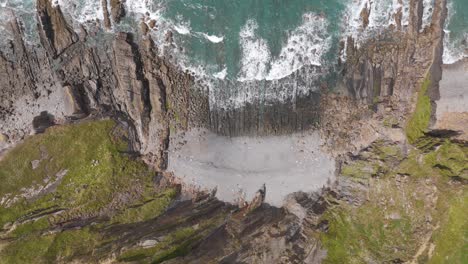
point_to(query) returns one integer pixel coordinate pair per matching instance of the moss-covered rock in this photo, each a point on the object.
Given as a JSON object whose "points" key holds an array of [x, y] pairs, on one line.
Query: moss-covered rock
{"points": [[410, 213], [419, 121], [79, 171], [57, 183]]}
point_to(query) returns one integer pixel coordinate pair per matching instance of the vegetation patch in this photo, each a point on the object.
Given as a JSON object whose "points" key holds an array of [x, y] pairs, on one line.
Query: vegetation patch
{"points": [[450, 240], [450, 159], [382, 229], [96, 167], [171, 246], [360, 169], [98, 180], [147, 210], [419, 121], [414, 202]]}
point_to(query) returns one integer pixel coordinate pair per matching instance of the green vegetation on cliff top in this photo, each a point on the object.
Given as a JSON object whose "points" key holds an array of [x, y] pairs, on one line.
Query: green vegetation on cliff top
{"points": [[419, 121], [412, 201], [70, 173], [90, 159]]}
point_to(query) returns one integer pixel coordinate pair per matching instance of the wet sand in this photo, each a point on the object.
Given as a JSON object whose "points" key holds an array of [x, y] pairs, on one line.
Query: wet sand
{"points": [[452, 108], [286, 164]]}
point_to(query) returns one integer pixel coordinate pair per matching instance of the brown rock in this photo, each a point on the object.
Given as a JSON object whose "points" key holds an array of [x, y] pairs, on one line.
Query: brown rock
{"points": [[365, 14], [105, 10], [117, 10], [169, 36], [144, 28], [55, 32], [152, 23]]}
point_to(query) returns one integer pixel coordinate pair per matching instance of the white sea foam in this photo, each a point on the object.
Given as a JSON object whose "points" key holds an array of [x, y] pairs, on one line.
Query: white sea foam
{"points": [[255, 53], [453, 49], [427, 12], [82, 11], [213, 38], [221, 75], [305, 46], [182, 29], [382, 15], [141, 8]]}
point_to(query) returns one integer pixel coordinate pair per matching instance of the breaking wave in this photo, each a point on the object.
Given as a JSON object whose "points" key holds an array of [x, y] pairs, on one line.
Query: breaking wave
{"points": [[305, 46], [455, 43]]}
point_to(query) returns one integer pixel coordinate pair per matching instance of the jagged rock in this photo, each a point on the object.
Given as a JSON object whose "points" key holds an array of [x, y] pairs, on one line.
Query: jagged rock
{"points": [[117, 10], [365, 14], [399, 15], [105, 10], [144, 28], [258, 200], [383, 74], [56, 34], [152, 24]]}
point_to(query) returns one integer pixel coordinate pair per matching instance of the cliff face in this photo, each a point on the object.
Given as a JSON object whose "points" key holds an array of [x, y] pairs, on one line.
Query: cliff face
{"points": [[117, 74], [385, 189], [80, 73], [381, 78]]}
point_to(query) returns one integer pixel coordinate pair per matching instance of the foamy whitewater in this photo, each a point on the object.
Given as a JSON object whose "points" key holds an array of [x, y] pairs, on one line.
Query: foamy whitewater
{"points": [[245, 51], [455, 49], [253, 57]]}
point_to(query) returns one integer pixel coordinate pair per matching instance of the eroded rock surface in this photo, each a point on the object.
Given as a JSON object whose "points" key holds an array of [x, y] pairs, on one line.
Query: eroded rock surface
{"points": [[382, 183]]}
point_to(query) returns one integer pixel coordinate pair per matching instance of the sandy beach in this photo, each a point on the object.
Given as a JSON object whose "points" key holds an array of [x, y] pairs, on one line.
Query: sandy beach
{"points": [[452, 108], [286, 164]]}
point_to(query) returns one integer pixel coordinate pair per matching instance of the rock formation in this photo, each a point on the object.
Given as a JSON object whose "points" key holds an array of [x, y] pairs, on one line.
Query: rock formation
{"points": [[386, 159]]}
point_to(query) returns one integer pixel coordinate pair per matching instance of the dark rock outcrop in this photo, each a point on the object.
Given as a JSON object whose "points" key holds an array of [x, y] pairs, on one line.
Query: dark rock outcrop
{"points": [[56, 34], [117, 10], [381, 78]]}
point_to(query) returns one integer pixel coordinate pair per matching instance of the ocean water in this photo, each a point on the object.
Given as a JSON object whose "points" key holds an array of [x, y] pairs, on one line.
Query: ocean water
{"points": [[456, 38], [256, 39], [245, 49]]}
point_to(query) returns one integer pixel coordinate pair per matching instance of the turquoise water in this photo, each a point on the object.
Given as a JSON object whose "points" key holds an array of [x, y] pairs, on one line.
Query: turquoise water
{"points": [[253, 39], [275, 19], [456, 42]]}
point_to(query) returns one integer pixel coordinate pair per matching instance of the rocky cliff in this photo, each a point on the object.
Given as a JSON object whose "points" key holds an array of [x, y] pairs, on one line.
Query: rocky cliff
{"points": [[400, 193]]}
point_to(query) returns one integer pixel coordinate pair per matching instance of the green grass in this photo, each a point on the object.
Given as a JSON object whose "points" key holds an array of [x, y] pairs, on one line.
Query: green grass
{"points": [[30, 249], [99, 171], [30, 227], [391, 224], [360, 169], [415, 166], [72, 243], [171, 246], [148, 210], [451, 240], [367, 233], [419, 121], [450, 159], [52, 248]]}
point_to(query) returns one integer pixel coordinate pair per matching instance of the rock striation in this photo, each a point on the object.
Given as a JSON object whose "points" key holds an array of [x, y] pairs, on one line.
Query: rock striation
{"points": [[381, 78], [73, 77], [88, 73]]}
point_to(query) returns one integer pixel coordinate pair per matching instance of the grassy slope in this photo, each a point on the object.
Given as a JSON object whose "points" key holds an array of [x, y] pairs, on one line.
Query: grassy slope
{"points": [[367, 233], [419, 121], [98, 171], [392, 223]]}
